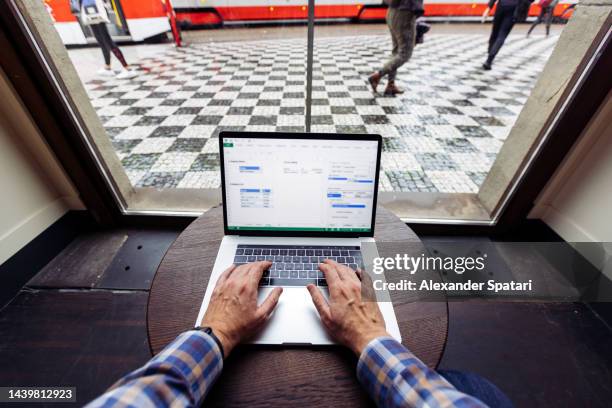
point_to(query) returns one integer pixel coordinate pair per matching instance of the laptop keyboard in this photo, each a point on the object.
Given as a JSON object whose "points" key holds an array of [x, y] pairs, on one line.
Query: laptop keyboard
{"points": [[297, 265]]}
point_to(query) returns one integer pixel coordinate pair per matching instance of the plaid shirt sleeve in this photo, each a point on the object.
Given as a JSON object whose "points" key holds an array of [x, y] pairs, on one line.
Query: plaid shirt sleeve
{"points": [[181, 375], [394, 377]]}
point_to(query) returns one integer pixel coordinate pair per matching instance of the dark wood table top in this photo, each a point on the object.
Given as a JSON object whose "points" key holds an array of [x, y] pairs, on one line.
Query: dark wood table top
{"points": [[274, 376]]}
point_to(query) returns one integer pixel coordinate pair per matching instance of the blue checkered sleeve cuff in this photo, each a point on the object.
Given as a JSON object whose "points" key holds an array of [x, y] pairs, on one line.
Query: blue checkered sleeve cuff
{"points": [[182, 374], [394, 377]]}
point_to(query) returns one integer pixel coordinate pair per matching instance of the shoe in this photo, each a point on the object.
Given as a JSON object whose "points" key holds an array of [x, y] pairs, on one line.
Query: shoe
{"points": [[127, 74], [105, 72], [486, 66], [374, 79], [392, 89]]}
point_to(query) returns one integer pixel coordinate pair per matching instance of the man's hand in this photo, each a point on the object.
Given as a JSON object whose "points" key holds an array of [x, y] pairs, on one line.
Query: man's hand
{"points": [[350, 319], [485, 14], [233, 313]]}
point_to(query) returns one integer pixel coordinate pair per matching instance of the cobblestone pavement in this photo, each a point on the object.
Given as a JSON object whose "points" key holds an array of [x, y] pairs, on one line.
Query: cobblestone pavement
{"points": [[441, 135]]}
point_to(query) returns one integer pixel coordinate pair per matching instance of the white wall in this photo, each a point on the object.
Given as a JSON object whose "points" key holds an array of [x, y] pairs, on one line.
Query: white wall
{"points": [[577, 202], [34, 190]]}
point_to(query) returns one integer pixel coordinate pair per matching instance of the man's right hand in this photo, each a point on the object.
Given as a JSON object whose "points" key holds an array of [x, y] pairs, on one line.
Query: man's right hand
{"points": [[350, 319], [233, 313]]}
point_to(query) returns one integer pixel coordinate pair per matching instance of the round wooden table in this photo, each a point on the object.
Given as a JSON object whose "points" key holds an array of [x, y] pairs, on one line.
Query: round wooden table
{"points": [[276, 376]]}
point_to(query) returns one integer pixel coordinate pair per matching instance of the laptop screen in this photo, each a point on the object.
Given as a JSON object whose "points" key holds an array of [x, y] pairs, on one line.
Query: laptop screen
{"points": [[299, 184]]}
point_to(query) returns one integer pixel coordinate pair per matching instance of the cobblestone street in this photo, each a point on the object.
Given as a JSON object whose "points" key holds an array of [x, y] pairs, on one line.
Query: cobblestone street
{"points": [[441, 135]]}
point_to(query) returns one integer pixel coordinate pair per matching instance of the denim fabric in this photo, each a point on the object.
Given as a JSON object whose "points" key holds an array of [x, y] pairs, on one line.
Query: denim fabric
{"points": [[478, 387]]}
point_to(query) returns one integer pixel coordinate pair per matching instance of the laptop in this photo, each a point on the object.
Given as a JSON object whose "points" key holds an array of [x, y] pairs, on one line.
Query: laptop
{"points": [[296, 199]]}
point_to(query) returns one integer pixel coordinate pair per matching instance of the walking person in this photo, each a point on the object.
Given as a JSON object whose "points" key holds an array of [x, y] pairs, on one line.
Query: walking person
{"points": [[401, 19], [507, 13], [547, 7], [93, 13]]}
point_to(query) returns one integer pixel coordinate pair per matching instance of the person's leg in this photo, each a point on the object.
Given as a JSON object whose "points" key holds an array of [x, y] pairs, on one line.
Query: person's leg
{"points": [[537, 21], [394, 52], [478, 387], [507, 22], [548, 19], [112, 46], [497, 19], [375, 78], [405, 45], [98, 33], [393, 40], [396, 33], [497, 23], [126, 73]]}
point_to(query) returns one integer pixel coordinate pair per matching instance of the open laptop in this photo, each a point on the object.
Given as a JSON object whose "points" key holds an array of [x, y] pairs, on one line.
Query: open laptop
{"points": [[296, 199]]}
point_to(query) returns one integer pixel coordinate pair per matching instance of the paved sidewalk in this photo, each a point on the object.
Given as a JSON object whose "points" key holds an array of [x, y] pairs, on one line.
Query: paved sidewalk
{"points": [[442, 135]]}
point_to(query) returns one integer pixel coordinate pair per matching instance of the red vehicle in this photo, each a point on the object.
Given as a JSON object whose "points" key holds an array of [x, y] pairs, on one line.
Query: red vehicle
{"points": [[218, 12], [134, 20], [138, 20]]}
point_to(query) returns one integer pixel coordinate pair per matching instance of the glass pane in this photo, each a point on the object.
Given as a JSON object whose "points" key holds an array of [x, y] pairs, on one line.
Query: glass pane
{"points": [[159, 108], [444, 117], [232, 73]]}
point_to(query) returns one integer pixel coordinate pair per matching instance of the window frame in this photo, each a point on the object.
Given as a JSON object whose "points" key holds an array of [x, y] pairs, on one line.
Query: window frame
{"points": [[36, 82]]}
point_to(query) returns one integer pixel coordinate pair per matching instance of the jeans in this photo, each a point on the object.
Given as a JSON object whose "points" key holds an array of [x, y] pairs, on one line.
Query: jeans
{"points": [[403, 32], [503, 21], [478, 387]]}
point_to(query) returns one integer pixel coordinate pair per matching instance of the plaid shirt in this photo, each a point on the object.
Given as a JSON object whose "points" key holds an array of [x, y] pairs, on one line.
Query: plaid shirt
{"points": [[395, 377], [183, 373], [180, 376]]}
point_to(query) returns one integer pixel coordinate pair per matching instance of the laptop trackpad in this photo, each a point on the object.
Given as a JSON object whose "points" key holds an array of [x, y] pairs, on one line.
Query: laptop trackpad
{"points": [[294, 321]]}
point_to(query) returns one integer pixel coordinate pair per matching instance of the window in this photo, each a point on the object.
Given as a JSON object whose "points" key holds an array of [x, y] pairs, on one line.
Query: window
{"points": [[455, 141]]}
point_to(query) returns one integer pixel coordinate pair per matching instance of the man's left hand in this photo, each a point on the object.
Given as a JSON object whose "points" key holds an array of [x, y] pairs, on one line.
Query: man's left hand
{"points": [[233, 313]]}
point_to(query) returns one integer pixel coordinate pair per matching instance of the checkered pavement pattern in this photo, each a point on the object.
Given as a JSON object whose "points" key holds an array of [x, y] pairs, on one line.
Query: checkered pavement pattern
{"points": [[441, 135]]}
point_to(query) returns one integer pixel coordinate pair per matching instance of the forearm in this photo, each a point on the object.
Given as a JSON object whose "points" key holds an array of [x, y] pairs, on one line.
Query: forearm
{"points": [[182, 373], [394, 377]]}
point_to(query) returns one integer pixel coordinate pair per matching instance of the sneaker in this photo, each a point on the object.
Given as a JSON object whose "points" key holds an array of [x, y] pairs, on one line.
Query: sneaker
{"points": [[106, 72], [127, 74], [486, 66]]}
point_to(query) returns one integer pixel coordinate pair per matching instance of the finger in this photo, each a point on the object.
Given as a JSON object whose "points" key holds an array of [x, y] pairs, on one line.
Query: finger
{"points": [[225, 274], [240, 270], [268, 305], [336, 267], [355, 275], [246, 269], [256, 271], [319, 301], [346, 272], [331, 275]]}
